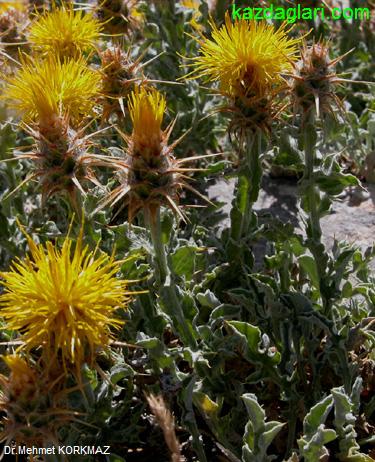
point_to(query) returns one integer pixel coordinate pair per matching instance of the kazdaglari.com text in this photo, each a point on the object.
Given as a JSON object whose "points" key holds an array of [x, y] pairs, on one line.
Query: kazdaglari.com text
{"points": [[299, 13]]}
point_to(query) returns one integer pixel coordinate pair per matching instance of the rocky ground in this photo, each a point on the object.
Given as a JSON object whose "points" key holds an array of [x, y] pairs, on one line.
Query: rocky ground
{"points": [[352, 218]]}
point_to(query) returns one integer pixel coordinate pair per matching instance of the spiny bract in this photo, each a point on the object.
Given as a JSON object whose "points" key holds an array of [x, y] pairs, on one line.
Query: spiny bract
{"points": [[314, 79], [119, 74], [149, 174]]}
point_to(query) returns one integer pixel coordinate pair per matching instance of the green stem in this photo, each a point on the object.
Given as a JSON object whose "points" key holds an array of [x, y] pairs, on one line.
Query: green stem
{"points": [[248, 185], [309, 137], [159, 249], [168, 290], [314, 230]]}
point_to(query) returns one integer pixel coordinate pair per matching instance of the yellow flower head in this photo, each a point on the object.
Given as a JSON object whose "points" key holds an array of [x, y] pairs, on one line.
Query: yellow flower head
{"points": [[65, 32], [245, 56], [63, 300], [17, 5], [43, 89], [147, 107]]}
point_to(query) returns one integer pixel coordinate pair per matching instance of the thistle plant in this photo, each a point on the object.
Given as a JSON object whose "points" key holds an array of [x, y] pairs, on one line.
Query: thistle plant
{"points": [[63, 300], [53, 96], [151, 177], [247, 59], [315, 100], [259, 338]]}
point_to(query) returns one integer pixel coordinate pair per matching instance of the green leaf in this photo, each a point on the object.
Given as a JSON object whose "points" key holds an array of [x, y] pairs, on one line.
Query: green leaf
{"points": [[259, 434], [186, 398], [255, 411], [344, 422], [271, 429], [115, 458], [120, 371], [315, 435], [317, 415], [336, 182], [309, 266], [314, 448], [183, 261], [225, 311], [208, 299], [149, 343], [252, 338], [215, 167]]}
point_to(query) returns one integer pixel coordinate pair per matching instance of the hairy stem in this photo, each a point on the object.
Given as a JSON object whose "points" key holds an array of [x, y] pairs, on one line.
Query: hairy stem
{"points": [[168, 290], [248, 185], [309, 137], [312, 197]]}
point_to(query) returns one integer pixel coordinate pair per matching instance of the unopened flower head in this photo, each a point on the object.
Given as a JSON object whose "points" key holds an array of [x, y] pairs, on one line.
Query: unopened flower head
{"points": [[119, 74], [65, 32], [13, 25], [30, 414], [149, 174], [63, 300], [147, 108], [44, 88], [245, 57], [313, 86]]}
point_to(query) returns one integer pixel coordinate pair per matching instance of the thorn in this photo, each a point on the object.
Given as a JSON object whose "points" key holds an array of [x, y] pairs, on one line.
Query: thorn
{"points": [[176, 208]]}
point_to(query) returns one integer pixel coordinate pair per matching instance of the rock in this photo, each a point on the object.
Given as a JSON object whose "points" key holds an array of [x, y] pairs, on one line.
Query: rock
{"points": [[352, 217]]}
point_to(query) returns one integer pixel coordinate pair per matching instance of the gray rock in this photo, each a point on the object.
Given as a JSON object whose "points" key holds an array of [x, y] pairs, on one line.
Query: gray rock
{"points": [[352, 218]]}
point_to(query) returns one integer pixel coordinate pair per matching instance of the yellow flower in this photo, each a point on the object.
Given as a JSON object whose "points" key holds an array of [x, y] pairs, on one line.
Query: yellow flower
{"points": [[17, 5], [45, 88], [63, 300], [65, 32], [194, 5], [146, 109], [246, 57]]}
